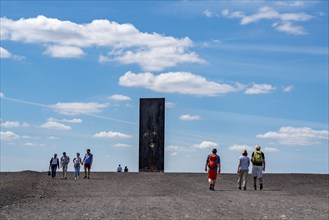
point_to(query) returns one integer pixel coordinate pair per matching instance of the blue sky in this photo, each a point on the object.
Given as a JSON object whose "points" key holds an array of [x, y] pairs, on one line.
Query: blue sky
{"points": [[233, 73]]}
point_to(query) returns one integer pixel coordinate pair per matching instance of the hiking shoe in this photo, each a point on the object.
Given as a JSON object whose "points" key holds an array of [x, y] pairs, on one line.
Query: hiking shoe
{"points": [[261, 186], [239, 187], [88, 177], [255, 187], [244, 188], [85, 177]]}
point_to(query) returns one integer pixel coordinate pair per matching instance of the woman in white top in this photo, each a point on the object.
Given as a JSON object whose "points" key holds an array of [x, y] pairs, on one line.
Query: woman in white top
{"points": [[243, 169], [76, 162]]}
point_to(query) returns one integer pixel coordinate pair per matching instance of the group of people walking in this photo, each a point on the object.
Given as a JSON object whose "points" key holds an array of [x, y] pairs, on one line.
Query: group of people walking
{"points": [[213, 167], [56, 163]]}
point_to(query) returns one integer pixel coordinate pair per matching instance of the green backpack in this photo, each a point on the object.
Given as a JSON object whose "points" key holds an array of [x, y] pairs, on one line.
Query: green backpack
{"points": [[257, 157]]}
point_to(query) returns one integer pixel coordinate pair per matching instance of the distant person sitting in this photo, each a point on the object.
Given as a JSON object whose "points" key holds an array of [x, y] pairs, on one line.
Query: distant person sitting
{"points": [[258, 161], [119, 170], [126, 169]]}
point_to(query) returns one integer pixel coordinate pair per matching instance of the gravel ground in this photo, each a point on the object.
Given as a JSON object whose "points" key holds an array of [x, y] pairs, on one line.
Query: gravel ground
{"points": [[34, 195]]}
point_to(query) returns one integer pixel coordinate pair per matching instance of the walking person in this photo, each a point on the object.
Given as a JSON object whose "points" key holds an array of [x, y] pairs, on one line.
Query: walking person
{"points": [[76, 162], [54, 164], [243, 169], [213, 167], [65, 160], [87, 161], [258, 161]]}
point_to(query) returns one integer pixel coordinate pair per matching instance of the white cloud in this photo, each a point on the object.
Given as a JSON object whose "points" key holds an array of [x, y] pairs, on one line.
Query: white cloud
{"points": [[176, 82], [2, 95], [55, 125], [289, 28], [259, 89], [14, 124], [209, 14], [169, 104], [296, 136], [111, 134], [240, 148], [8, 135], [290, 3], [118, 97], [174, 150], [76, 108], [288, 88], [156, 59], [66, 39], [119, 145], [64, 51], [4, 53], [270, 149], [189, 117], [52, 138], [282, 21], [206, 145], [73, 121]]}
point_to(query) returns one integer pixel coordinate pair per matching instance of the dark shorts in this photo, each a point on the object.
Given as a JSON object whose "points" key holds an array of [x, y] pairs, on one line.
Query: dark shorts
{"points": [[87, 165]]}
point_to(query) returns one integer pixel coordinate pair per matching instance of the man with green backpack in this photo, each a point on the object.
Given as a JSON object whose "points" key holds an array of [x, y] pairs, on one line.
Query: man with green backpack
{"points": [[258, 161]]}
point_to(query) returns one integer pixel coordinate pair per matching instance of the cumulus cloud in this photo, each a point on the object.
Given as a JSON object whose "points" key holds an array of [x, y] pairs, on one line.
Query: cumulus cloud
{"points": [[2, 95], [189, 117], [64, 52], [282, 21], [111, 134], [174, 150], [5, 54], [55, 125], [8, 135], [270, 149], [128, 45], [288, 88], [119, 145], [169, 104], [73, 121], [14, 124], [296, 136], [118, 97], [76, 108], [239, 147], [206, 145], [176, 82], [260, 89]]}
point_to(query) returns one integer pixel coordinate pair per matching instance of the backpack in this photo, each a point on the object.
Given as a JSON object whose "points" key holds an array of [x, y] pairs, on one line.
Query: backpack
{"points": [[257, 158], [212, 161]]}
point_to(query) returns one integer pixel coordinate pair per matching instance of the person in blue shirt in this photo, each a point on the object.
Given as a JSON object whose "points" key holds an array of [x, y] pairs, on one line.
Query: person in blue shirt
{"points": [[87, 161]]}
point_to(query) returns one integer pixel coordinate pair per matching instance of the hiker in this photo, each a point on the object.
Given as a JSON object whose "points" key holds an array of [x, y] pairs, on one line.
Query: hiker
{"points": [[258, 161], [213, 166], [119, 169], [87, 161], [54, 164], [65, 160], [76, 162], [243, 169], [126, 169]]}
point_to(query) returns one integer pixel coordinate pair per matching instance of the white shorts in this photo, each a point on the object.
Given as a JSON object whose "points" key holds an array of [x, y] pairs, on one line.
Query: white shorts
{"points": [[257, 171]]}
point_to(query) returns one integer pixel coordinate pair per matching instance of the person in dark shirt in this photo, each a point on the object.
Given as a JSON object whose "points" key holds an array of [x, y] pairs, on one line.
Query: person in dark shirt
{"points": [[258, 161]]}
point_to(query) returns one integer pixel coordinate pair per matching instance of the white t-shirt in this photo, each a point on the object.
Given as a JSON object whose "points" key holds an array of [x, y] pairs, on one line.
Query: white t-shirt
{"points": [[244, 162]]}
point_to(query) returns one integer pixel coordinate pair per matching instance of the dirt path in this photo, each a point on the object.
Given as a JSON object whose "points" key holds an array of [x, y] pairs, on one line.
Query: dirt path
{"points": [[32, 195]]}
